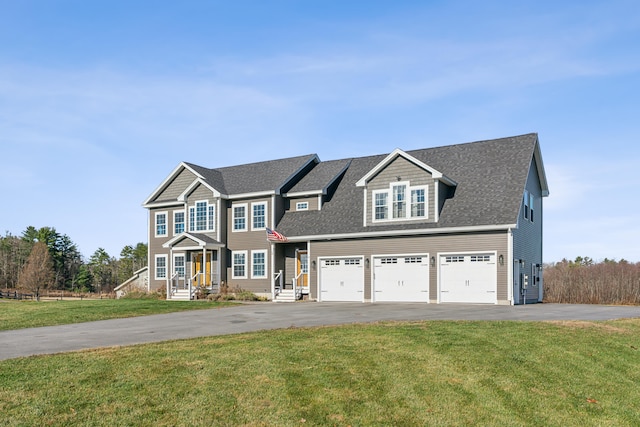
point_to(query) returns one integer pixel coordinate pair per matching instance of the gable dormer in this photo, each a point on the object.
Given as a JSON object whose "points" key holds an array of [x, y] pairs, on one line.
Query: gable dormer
{"points": [[401, 188]]}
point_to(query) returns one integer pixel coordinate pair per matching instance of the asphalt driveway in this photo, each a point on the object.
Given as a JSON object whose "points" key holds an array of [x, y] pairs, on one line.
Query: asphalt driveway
{"points": [[261, 316]]}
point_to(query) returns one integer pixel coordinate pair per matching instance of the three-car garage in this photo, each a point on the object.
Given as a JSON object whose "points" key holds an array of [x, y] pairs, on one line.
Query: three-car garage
{"points": [[461, 278]]}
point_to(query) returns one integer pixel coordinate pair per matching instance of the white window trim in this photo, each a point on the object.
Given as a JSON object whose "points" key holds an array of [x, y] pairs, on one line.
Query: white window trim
{"points": [[262, 251], [299, 206], [525, 206], [233, 217], [191, 225], [166, 224], [184, 265], [155, 267], [407, 201], [233, 264], [184, 222], [266, 218]]}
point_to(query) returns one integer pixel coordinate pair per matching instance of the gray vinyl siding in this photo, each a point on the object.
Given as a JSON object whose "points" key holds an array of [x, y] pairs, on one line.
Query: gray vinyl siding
{"points": [[312, 200], [400, 169], [527, 237], [432, 245], [155, 244], [200, 192], [248, 241], [177, 186]]}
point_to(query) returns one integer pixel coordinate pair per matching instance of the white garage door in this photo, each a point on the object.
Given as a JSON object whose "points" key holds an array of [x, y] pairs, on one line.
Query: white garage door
{"points": [[342, 279], [401, 278], [468, 278]]}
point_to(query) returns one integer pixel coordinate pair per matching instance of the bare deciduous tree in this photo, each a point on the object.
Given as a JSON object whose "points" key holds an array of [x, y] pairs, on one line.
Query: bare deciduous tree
{"points": [[38, 272]]}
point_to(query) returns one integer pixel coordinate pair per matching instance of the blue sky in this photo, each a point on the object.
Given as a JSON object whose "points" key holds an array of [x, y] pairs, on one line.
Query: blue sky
{"points": [[100, 100]]}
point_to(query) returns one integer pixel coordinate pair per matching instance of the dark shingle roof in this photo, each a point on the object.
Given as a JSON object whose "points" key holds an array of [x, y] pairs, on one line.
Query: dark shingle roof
{"points": [[320, 176], [253, 177], [491, 176]]}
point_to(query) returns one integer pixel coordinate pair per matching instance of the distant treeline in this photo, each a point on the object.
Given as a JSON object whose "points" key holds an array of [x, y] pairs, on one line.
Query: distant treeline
{"points": [[23, 265], [584, 281]]}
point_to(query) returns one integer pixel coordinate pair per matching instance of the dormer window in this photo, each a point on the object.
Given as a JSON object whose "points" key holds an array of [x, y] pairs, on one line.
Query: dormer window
{"points": [[400, 202]]}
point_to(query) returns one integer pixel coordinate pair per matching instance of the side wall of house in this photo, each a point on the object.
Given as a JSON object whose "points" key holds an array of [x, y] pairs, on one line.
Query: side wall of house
{"points": [[432, 245], [527, 243]]}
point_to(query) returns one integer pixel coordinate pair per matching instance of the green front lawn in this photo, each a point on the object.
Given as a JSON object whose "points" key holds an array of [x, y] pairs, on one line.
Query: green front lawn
{"points": [[386, 374], [30, 314]]}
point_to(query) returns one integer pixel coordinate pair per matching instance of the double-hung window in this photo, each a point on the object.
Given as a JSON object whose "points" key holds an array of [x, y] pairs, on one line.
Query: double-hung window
{"points": [[526, 204], [239, 264], [417, 203], [161, 267], [202, 216], [161, 224], [380, 207], [178, 222], [258, 216], [239, 217], [400, 201], [531, 207], [258, 264]]}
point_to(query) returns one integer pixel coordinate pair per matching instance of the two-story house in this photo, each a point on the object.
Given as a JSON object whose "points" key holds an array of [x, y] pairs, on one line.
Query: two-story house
{"points": [[459, 223]]}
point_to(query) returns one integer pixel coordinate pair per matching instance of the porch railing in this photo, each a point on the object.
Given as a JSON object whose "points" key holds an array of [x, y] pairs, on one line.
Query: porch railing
{"points": [[278, 277]]}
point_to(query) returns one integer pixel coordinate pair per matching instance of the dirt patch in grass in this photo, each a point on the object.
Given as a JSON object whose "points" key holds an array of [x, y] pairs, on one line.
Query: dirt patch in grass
{"points": [[581, 324]]}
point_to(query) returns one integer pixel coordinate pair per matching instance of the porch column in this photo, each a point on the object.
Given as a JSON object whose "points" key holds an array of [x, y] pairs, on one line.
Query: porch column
{"points": [[204, 265]]}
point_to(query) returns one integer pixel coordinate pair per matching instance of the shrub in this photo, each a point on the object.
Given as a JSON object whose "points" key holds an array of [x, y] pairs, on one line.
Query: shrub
{"points": [[143, 295], [584, 282]]}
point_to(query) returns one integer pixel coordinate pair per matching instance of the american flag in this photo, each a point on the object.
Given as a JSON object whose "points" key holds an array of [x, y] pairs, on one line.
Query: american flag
{"points": [[274, 236]]}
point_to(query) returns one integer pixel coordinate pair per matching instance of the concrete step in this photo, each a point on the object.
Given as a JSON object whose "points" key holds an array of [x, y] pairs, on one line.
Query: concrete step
{"points": [[286, 295]]}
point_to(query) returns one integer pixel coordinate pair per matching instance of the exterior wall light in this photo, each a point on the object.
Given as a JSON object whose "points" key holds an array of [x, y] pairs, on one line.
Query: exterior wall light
{"points": [[366, 262], [501, 259], [433, 261], [313, 265]]}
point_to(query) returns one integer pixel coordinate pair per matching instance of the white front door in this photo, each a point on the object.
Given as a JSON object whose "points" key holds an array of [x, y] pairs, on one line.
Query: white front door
{"points": [[401, 278], [341, 279], [470, 278]]}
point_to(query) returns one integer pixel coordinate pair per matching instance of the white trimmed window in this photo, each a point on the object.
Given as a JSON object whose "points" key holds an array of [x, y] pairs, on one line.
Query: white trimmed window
{"points": [[202, 216], [178, 222], [161, 267], [400, 202], [239, 217], [302, 206], [531, 207], [258, 216], [526, 204], [380, 207], [258, 264], [239, 264], [178, 265], [161, 224]]}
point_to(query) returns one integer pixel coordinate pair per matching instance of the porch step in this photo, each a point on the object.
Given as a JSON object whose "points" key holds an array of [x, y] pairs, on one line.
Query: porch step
{"points": [[286, 295], [180, 295]]}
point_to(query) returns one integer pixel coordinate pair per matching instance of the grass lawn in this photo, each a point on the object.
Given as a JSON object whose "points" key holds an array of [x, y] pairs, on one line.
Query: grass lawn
{"points": [[387, 374], [30, 314]]}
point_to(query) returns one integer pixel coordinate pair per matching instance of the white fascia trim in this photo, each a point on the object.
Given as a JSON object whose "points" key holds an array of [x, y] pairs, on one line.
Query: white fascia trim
{"points": [[398, 152], [401, 233], [183, 196], [249, 195], [304, 193], [162, 204], [168, 179]]}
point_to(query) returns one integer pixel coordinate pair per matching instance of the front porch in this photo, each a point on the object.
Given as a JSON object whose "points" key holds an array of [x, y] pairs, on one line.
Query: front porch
{"points": [[291, 272], [194, 263]]}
